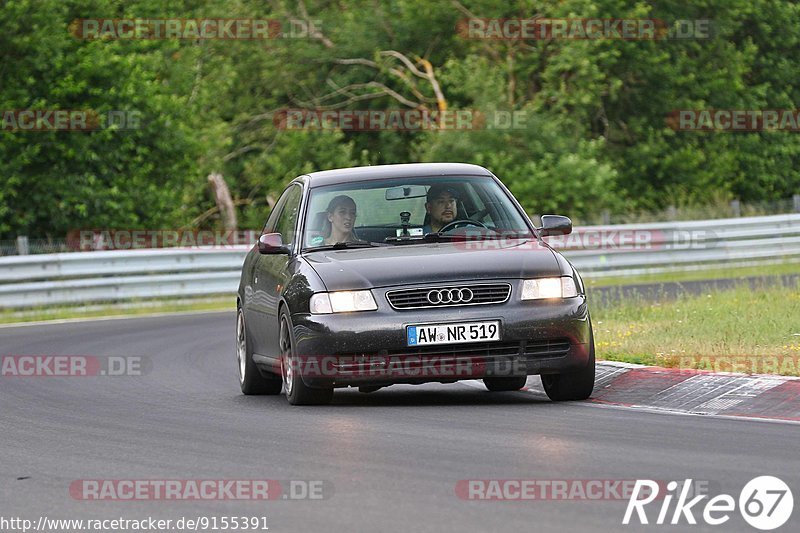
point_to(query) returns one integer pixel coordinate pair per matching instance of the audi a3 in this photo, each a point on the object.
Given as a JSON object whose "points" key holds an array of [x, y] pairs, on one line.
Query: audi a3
{"points": [[374, 276]]}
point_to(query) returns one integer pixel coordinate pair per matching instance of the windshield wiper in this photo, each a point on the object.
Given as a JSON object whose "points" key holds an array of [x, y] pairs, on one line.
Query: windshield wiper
{"points": [[439, 236], [510, 235], [341, 245]]}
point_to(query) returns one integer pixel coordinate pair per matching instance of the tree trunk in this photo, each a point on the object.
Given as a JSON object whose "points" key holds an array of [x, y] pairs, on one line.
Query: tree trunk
{"points": [[222, 195]]}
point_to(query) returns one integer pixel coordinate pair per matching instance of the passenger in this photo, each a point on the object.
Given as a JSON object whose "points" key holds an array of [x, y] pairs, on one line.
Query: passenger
{"points": [[441, 207], [342, 217]]}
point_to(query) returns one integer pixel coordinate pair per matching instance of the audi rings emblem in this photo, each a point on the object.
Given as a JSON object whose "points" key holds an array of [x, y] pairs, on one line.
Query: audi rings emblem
{"points": [[449, 296]]}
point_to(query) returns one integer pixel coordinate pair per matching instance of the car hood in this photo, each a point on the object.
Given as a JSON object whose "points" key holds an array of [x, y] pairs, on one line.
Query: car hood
{"points": [[364, 268]]}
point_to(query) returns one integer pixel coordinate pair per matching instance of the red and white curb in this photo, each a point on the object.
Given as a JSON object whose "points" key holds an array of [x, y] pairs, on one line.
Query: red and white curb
{"points": [[698, 392], [692, 391]]}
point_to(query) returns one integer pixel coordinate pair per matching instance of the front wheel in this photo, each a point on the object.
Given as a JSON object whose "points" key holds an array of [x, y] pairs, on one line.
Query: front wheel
{"points": [[297, 392], [573, 385], [251, 380]]}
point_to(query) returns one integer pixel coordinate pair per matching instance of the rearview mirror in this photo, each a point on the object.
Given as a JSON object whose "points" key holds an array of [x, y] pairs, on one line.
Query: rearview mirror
{"points": [[406, 191], [555, 225], [271, 244]]}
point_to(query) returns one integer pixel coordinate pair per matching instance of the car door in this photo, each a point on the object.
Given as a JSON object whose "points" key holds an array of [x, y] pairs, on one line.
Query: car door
{"points": [[252, 261], [271, 274], [254, 308]]}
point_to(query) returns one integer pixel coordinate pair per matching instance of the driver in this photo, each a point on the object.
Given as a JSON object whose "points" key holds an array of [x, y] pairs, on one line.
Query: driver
{"points": [[441, 207], [341, 215]]}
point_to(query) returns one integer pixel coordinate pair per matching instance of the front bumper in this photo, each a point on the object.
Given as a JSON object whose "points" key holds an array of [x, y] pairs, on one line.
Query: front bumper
{"points": [[370, 348]]}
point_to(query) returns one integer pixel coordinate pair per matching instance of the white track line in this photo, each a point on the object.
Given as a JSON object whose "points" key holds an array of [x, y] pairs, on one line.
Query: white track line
{"points": [[115, 317]]}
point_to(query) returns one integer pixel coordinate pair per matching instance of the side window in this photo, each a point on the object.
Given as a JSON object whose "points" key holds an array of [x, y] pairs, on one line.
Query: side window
{"points": [[269, 226], [287, 219]]}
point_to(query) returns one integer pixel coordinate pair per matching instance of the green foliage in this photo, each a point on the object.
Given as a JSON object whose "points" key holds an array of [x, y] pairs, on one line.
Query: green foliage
{"points": [[595, 134], [55, 181]]}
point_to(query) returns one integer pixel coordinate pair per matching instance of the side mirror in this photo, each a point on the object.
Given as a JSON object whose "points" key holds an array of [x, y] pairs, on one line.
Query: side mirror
{"points": [[555, 225], [271, 244]]}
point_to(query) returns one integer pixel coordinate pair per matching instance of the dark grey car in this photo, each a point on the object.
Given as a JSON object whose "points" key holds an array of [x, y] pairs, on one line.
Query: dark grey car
{"points": [[358, 280]]}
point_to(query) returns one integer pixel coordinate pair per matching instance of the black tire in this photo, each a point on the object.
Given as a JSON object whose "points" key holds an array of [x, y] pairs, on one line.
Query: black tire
{"points": [[573, 385], [251, 380], [297, 392], [505, 384]]}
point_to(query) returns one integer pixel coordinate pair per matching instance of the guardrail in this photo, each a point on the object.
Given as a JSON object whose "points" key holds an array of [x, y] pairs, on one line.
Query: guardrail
{"points": [[619, 250], [47, 279], [677, 246]]}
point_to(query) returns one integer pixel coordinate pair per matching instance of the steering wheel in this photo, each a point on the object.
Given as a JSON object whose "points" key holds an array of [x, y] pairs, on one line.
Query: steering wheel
{"points": [[459, 223]]}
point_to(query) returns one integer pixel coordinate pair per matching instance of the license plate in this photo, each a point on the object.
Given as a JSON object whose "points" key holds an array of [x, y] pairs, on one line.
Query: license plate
{"points": [[453, 333]]}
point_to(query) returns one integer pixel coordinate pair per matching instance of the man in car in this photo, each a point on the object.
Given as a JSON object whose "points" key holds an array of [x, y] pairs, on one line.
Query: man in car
{"points": [[441, 207]]}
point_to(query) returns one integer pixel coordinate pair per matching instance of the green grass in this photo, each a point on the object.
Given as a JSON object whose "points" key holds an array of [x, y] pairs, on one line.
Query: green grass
{"points": [[734, 330], [131, 308], [716, 273]]}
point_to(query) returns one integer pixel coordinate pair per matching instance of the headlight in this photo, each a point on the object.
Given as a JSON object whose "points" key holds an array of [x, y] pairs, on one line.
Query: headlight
{"points": [[537, 289], [342, 302]]}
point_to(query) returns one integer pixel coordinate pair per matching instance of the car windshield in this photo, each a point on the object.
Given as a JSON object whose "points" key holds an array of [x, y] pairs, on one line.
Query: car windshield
{"points": [[410, 211]]}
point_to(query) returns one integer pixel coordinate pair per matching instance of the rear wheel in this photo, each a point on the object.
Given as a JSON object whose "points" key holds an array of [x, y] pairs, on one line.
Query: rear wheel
{"points": [[505, 384], [573, 385], [251, 380], [297, 392]]}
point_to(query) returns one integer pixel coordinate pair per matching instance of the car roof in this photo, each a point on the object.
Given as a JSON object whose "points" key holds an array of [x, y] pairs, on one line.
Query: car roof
{"points": [[409, 170]]}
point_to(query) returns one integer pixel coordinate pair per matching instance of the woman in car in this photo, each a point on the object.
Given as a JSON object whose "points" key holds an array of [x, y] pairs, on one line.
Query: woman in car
{"points": [[342, 218]]}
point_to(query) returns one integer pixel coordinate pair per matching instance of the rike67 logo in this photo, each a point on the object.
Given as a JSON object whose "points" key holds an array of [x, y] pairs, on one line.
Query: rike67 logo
{"points": [[765, 503]]}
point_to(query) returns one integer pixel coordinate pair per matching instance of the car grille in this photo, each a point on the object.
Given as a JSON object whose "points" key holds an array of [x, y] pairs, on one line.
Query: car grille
{"points": [[483, 349], [421, 356], [449, 296], [546, 348], [452, 355]]}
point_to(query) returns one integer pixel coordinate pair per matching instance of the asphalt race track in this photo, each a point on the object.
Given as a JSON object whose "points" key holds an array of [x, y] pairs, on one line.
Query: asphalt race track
{"points": [[389, 460]]}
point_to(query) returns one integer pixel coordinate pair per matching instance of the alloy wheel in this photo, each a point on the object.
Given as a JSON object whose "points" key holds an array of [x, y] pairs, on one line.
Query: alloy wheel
{"points": [[286, 357]]}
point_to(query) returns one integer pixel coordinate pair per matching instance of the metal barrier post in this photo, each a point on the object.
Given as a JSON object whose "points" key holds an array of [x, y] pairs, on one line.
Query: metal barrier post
{"points": [[736, 208], [22, 245]]}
